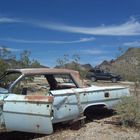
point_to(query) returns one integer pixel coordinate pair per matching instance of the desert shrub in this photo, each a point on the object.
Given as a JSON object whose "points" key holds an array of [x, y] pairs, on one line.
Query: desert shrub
{"points": [[129, 110]]}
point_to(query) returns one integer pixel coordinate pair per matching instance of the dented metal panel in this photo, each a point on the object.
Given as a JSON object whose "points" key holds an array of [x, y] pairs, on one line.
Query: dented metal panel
{"points": [[115, 93], [66, 105], [28, 113], [62, 108]]}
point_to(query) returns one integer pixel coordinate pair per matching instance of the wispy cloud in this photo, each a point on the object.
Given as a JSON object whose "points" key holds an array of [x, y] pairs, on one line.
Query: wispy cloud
{"points": [[9, 20], [90, 39], [129, 28], [132, 44], [92, 51], [11, 49]]}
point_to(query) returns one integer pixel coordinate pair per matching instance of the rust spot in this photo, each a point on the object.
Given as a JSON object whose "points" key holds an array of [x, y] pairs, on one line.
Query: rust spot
{"points": [[39, 98]]}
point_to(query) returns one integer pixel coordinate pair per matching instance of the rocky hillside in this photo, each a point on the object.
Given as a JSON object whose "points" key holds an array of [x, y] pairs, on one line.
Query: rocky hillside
{"points": [[72, 65], [127, 65]]}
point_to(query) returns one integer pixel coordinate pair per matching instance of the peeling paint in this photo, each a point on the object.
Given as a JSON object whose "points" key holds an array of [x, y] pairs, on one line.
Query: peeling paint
{"points": [[39, 98]]}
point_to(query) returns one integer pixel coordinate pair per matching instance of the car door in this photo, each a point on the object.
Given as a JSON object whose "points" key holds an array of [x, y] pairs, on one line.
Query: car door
{"points": [[28, 113], [105, 76], [100, 75], [68, 104]]}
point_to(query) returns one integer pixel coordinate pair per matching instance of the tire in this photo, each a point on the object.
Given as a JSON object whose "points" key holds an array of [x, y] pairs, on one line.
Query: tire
{"points": [[93, 79], [114, 80]]}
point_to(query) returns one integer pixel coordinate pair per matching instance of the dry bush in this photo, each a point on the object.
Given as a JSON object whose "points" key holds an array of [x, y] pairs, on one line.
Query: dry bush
{"points": [[129, 110]]}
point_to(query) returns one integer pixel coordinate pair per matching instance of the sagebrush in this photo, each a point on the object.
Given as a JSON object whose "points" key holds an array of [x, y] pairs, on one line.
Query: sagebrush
{"points": [[129, 110]]}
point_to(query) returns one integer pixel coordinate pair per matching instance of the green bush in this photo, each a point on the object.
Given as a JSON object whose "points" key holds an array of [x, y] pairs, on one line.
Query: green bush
{"points": [[129, 110]]}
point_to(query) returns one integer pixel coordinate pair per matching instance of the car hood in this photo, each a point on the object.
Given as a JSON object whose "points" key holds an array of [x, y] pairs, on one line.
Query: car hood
{"points": [[3, 91]]}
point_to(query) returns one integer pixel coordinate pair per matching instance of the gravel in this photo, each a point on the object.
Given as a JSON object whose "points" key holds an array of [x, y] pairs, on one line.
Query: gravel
{"points": [[96, 130]]}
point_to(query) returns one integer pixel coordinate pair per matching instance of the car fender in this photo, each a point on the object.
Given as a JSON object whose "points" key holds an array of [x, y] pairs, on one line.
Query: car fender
{"points": [[95, 104]]}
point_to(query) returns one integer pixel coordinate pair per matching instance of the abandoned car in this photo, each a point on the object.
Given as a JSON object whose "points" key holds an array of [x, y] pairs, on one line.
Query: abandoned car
{"points": [[32, 100]]}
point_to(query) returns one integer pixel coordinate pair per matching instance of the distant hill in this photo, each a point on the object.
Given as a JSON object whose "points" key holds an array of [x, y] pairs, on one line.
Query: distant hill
{"points": [[127, 65], [72, 64]]}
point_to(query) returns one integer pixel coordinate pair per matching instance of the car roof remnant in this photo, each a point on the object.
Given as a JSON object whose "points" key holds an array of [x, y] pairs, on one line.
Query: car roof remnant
{"points": [[36, 71]]}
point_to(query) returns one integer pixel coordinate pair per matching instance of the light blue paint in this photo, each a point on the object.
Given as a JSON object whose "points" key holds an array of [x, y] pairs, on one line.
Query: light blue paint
{"points": [[3, 91], [22, 115], [68, 110]]}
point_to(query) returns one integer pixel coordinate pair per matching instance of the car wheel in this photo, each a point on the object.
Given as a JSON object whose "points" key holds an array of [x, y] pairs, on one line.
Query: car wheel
{"points": [[114, 80], [93, 79]]}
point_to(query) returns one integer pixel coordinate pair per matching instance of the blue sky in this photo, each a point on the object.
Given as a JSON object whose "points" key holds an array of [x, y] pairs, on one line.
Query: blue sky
{"points": [[94, 29]]}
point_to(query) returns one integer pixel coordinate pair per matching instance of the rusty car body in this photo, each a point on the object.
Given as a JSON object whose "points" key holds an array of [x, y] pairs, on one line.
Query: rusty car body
{"points": [[32, 100]]}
